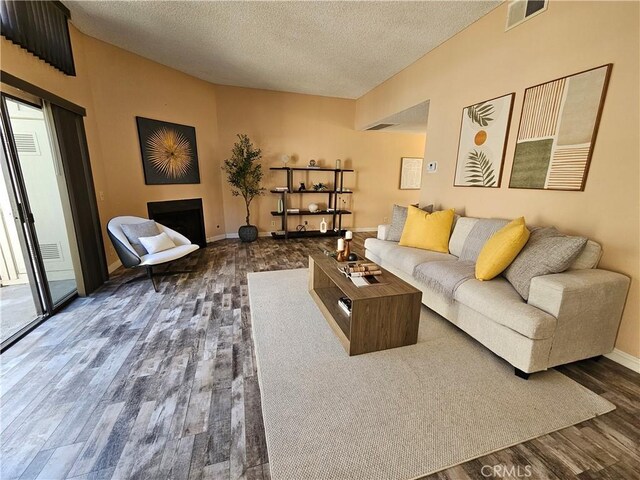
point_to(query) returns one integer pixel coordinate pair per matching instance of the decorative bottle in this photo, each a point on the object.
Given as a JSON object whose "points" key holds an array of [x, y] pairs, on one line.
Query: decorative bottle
{"points": [[323, 226], [280, 206]]}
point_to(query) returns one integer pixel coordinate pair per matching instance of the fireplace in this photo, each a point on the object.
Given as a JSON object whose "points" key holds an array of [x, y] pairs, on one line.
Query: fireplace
{"points": [[183, 216]]}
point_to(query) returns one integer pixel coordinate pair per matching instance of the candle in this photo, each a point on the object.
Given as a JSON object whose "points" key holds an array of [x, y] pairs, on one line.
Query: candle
{"points": [[340, 244], [348, 235]]}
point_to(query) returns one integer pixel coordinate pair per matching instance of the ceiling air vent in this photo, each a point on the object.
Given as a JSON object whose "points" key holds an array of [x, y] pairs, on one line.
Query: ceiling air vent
{"points": [[26, 143], [50, 251], [522, 10], [381, 126]]}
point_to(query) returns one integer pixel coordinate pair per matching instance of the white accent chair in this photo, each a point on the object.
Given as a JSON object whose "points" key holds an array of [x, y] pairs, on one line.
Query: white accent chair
{"points": [[130, 258]]}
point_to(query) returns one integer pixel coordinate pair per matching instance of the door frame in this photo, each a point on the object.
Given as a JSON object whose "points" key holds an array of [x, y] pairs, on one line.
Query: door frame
{"points": [[27, 234]]}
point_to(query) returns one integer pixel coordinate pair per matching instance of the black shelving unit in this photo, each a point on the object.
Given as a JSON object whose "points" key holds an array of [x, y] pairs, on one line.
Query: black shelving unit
{"points": [[332, 203]]}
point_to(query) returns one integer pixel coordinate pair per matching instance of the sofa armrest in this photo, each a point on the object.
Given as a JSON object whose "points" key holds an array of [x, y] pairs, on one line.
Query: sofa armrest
{"points": [[383, 231], [588, 307]]}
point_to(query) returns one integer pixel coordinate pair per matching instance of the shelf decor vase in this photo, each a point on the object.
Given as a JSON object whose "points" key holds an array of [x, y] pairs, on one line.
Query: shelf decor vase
{"points": [[313, 207], [323, 226]]}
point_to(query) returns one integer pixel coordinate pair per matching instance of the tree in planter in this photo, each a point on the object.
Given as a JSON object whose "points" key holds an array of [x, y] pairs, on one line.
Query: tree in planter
{"points": [[244, 174]]}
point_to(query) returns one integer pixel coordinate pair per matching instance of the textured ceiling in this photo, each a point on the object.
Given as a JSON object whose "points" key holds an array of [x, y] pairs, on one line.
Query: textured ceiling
{"points": [[338, 49]]}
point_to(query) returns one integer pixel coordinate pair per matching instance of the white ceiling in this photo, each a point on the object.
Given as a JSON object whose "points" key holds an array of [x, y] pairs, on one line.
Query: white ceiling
{"points": [[338, 49]]}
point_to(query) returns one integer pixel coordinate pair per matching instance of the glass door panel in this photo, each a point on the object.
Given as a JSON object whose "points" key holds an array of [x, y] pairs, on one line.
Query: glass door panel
{"points": [[18, 307], [43, 181]]}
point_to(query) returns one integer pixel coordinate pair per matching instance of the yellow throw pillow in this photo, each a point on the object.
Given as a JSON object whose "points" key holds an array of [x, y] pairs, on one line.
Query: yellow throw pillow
{"points": [[429, 231], [501, 249]]}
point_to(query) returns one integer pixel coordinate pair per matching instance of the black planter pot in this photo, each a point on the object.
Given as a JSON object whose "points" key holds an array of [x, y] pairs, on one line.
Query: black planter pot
{"points": [[248, 233]]}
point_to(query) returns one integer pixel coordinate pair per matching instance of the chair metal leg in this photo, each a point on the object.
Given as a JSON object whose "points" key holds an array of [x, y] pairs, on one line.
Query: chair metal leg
{"points": [[150, 275]]}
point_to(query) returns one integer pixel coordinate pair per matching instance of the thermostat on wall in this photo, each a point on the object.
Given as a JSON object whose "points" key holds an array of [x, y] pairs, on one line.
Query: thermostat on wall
{"points": [[432, 167]]}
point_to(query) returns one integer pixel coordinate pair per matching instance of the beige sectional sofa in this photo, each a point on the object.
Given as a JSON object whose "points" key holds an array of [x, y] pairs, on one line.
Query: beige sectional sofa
{"points": [[569, 316]]}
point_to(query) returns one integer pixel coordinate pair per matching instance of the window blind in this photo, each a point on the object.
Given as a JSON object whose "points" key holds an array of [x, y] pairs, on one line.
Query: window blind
{"points": [[40, 27]]}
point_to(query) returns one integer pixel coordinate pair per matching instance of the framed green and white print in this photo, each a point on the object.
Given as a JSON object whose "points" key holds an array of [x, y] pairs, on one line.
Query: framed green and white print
{"points": [[557, 131], [483, 139]]}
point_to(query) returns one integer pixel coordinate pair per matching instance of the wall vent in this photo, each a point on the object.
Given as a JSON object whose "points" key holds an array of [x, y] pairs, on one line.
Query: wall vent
{"points": [[26, 143], [50, 251], [381, 126], [522, 10]]}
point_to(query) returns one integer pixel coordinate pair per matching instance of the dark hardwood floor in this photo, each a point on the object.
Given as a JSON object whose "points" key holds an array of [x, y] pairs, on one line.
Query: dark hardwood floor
{"points": [[135, 384]]}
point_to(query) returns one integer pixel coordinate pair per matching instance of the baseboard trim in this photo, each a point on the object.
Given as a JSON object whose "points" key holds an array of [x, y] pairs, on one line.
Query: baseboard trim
{"points": [[260, 234], [114, 266], [216, 238], [234, 235], [624, 359]]}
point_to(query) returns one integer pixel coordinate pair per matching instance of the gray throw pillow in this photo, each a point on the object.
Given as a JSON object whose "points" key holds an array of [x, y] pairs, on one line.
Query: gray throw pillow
{"points": [[133, 231], [547, 251], [398, 219]]}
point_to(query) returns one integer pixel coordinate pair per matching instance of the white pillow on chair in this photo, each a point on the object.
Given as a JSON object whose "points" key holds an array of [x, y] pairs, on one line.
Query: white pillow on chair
{"points": [[157, 243]]}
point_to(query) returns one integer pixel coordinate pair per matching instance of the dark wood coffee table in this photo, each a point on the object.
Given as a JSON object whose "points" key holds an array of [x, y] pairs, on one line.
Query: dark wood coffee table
{"points": [[382, 316]]}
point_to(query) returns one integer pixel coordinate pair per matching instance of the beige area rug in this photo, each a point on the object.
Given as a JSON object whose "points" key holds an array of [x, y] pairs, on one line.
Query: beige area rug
{"points": [[396, 414]]}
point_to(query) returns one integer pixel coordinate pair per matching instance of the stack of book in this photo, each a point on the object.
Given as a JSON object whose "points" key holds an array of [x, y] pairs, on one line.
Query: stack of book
{"points": [[362, 274], [362, 270], [345, 305]]}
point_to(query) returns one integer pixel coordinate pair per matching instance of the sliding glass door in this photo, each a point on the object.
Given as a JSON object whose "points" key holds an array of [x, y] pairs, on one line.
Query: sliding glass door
{"points": [[41, 203]]}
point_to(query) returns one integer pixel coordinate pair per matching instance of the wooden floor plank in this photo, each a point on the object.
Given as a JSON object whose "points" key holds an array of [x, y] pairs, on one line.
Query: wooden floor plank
{"points": [[134, 384]]}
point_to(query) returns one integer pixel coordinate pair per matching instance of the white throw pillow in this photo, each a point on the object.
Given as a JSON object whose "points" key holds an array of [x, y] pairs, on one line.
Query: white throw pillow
{"points": [[157, 243]]}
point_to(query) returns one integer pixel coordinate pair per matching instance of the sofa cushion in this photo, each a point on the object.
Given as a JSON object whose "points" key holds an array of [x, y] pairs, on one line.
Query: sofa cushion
{"points": [[479, 235], [461, 230], [377, 246], [430, 231], [501, 249], [157, 243], [402, 258], [398, 219], [547, 251], [133, 231], [589, 257], [499, 301]]}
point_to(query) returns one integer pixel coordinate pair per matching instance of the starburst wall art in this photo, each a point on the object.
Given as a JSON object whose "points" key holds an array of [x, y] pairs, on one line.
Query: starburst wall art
{"points": [[483, 138], [169, 153]]}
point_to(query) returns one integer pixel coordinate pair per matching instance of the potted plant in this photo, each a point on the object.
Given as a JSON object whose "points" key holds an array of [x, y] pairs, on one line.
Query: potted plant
{"points": [[244, 174]]}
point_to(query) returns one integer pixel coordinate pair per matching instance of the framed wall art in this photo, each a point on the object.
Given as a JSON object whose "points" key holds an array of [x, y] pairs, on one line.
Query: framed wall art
{"points": [[558, 127], [169, 153], [410, 173], [483, 139]]}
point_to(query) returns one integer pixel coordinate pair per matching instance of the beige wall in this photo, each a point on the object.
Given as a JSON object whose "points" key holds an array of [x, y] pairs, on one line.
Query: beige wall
{"points": [[484, 62], [306, 127], [123, 86], [22, 64], [115, 86]]}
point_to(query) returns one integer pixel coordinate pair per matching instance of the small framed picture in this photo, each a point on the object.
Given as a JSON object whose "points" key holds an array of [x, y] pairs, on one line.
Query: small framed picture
{"points": [[410, 173]]}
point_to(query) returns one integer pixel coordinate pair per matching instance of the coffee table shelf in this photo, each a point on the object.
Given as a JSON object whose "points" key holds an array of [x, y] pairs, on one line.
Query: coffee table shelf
{"points": [[382, 316]]}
